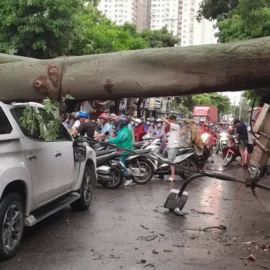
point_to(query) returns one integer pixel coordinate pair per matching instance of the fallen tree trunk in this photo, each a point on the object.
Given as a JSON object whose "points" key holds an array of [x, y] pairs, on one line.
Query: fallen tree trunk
{"points": [[141, 73]]}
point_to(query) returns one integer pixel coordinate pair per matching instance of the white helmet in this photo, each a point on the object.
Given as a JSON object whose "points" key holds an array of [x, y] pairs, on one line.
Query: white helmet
{"points": [[159, 120], [137, 120]]}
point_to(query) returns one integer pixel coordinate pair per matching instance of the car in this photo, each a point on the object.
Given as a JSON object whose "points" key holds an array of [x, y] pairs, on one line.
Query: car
{"points": [[38, 177]]}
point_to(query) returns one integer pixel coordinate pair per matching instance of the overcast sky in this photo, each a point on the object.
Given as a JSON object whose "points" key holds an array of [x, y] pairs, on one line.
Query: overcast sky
{"points": [[234, 96]]}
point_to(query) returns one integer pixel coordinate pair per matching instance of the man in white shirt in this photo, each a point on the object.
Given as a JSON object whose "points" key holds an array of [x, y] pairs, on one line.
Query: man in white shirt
{"points": [[173, 142]]}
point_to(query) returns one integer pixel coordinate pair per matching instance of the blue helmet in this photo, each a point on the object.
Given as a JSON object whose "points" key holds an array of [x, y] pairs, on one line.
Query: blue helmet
{"points": [[82, 114], [123, 120]]}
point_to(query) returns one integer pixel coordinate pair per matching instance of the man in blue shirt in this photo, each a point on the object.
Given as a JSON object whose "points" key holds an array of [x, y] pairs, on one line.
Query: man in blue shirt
{"points": [[106, 128], [242, 136]]}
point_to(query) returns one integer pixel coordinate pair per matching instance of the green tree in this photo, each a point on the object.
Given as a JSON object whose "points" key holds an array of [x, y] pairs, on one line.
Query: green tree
{"points": [[250, 19], [216, 9], [159, 38], [39, 28]]}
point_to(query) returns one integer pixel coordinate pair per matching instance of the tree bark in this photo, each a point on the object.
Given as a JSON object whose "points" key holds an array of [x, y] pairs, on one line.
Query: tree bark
{"points": [[141, 73]]}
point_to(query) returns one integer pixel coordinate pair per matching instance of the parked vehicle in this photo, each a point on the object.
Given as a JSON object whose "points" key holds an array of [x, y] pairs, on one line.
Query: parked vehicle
{"points": [[205, 113], [38, 177], [231, 152], [140, 167], [223, 139], [183, 159], [110, 170]]}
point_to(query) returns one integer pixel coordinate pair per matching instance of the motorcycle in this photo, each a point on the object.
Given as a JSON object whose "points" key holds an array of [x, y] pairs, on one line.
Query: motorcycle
{"points": [[223, 140], [110, 170], [231, 152], [140, 167], [182, 159]]}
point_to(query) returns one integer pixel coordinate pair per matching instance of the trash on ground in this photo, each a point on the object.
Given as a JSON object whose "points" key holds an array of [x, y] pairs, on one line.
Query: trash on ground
{"points": [[251, 258], [202, 212], [154, 251]]}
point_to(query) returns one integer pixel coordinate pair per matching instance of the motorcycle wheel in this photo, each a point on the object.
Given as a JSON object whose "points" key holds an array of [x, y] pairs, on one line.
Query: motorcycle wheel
{"points": [[227, 160], [117, 176], [190, 164], [147, 168]]}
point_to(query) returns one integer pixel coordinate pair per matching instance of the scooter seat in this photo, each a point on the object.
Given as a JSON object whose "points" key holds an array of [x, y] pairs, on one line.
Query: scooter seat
{"points": [[142, 151], [104, 152], [183, 151]]}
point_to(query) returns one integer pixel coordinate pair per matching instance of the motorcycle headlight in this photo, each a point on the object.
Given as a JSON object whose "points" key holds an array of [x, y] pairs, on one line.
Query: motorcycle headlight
{"points": [[80, 154]]}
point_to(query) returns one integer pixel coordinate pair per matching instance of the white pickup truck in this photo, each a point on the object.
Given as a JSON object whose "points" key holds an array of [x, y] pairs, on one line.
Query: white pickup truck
{"points": [[38, 177]]}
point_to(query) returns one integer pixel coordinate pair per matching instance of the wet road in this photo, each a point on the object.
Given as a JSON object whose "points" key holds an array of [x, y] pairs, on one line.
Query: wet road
{"points": [[128, 228]]}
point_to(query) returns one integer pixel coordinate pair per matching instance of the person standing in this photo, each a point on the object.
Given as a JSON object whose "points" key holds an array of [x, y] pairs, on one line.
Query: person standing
{"points": [[173, 142], [251, 139], [85, 127], [242, 136]]}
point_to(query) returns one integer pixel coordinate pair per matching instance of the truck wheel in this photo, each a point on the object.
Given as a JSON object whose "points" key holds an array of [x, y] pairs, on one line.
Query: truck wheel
{"points": [[11, 225], [86, 190]]}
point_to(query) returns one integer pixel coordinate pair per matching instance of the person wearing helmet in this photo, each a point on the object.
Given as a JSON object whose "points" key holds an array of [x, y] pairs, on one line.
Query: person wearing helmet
{"points": [[106, 128], [85, 127], [138, 130], [151, 130], [147, 124], [123, 140]]}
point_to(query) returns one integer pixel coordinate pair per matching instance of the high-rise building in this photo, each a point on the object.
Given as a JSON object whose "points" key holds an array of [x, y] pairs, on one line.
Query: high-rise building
{"points": [[143, 14], [179, 16], [120, 11], [165, 13], [194, 32]]}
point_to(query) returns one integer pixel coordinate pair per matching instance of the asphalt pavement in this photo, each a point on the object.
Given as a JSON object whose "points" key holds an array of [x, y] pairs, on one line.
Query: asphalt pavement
{"points": [[128, 228]]}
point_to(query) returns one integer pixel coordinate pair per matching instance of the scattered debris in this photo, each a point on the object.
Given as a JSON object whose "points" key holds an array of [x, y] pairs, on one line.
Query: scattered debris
{"points": [[162, 234], [248, 243], [234, 239], [221, 227], [167, 250], [201, 212], [241, 258], [262, 266], [179, 246], [144, 227], [154, 251], [147, 238], [149, 265], [142, 261], [193, 237], [251, 258], [67, 222], [98, 258]]}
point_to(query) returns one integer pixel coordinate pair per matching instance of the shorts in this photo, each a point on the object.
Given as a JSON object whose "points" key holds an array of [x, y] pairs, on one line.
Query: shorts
{"points": [[243, 144], [250, 148], [172, 152]]}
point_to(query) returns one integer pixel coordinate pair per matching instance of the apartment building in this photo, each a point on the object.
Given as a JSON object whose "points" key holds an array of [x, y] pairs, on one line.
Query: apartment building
{"points": [[179, 16], [120, 11]]}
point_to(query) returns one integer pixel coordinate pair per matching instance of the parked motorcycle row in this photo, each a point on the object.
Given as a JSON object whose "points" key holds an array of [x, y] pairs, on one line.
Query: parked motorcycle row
{"points": [[144, 162]]}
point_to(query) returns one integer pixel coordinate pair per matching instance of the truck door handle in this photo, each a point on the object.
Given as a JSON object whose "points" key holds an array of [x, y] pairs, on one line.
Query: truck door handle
{"points": [[58, 154], [31, 157]]}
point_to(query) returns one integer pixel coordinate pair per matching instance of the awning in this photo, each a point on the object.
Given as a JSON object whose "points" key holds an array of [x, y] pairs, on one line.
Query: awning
{"points": [[201, 111]]}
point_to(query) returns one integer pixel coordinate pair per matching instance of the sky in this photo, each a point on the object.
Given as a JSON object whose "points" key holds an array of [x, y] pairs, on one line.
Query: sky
{"points": [[234, 96]]}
